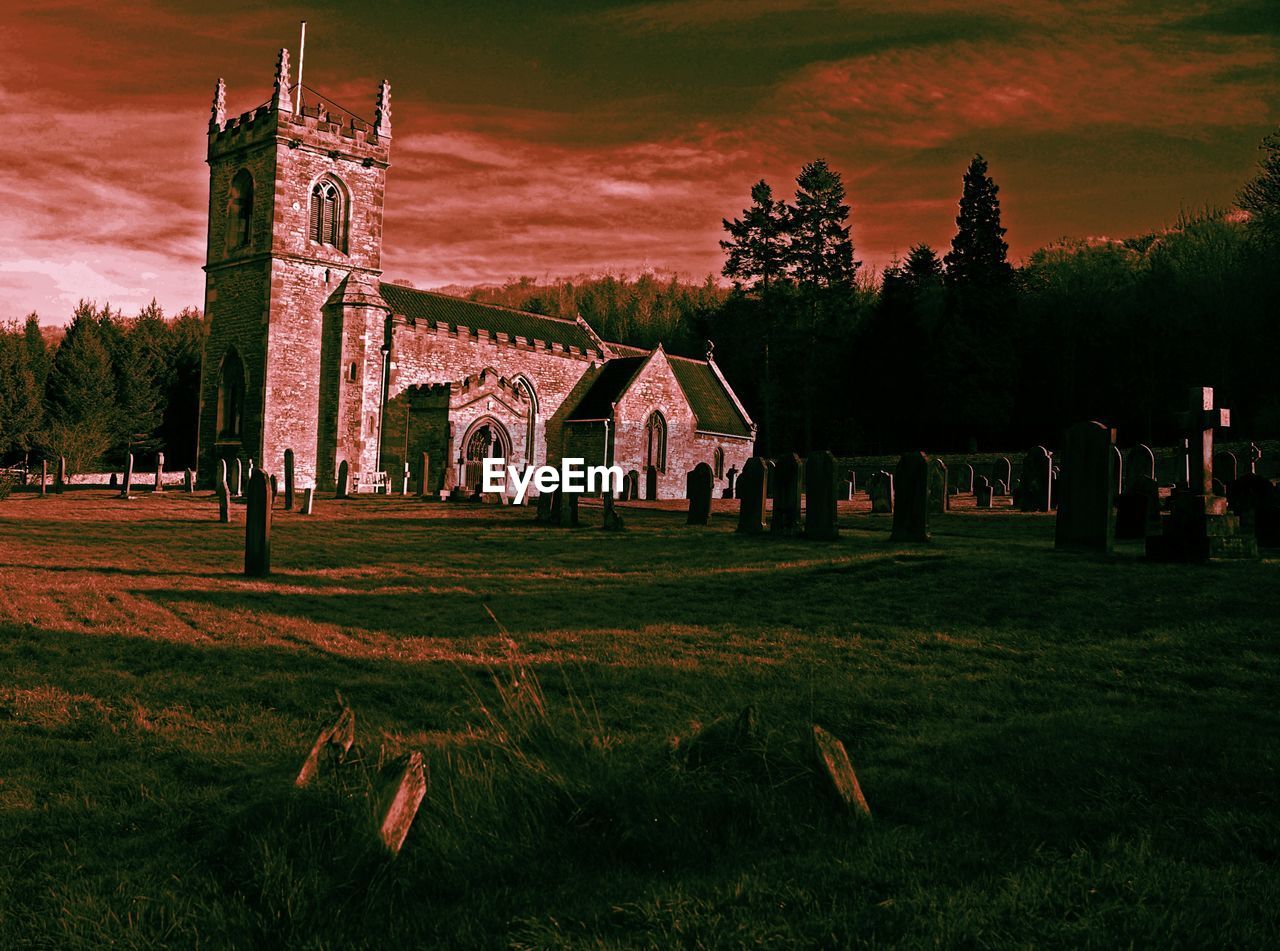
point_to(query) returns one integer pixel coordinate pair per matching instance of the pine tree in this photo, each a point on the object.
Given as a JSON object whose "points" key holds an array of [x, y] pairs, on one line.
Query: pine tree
{"points": [[978, 259], [820, 252], [81, 394], [21, 411], [755, 254], [37, 350], [922, 269]]}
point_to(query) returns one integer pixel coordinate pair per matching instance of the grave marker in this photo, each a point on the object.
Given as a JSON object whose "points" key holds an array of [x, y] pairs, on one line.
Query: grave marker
{"points": [[159, 486], [308, 499], [60, 480], [1141, 461], [288, 480], [344, 480], [237, 481], [1087, 493], [753, 497], [699, 486], [786, 495], [1036, 492], [820, 497], [914, 481], [939, 500], [188, 481], [880, 488], [982, 493], [423, 490], [128, 476], [257, 527]]}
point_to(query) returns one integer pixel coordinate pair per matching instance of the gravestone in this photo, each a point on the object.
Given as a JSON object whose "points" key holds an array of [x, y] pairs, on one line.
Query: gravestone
{"points": [[404, 485], [753, 497], [220, 474], [651, 483], [223, 492], [699, 485], [939, 501], [115, 481], [1117, 471], [344, 480], [288, 480], [1138, 509], [257, 527], [847, 487], [248, 472], [851, 476], [632, 493], [544, 510], [1198, 527], [1141, 461], [60, 480], [820, 497], [424, 490], [189, 481], [159, 486], [730, 486], [1256, 501], [275, 488], [567, 508], [786, 495], [44, 477], [1255, 456], [880, 488], [1036, 492], [308, 499], [612, 521], [1225, 467], [966, 478], [1003, 473], [128, 476], [1087, 493], [237, 478], [982, 492], [914, 481], [1002, 488]]}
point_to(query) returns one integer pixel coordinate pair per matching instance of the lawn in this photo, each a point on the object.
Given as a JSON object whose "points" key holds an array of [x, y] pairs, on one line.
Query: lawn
{"points": [[1057, 749]]}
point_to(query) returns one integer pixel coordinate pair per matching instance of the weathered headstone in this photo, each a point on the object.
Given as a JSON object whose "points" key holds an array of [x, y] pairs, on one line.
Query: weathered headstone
{"points": [[404, 485], [344, 480], [220, 474], [913, 483], [786, 496], [632, 493], [569, 509], [60, 480], [223, 492], [939, 501], [188, 481], [851, 476], [1036, 492], [880, 488], [699, 486], [731, 483], [1003, 473], [308, 499], [753, 497], [833, 760], [1256, 502], [44, 477], [257, 527], [288, 480], [1002, 488], [612, 521], [982, 492], [424, 486], [159, 486], [1138, 508], [237, 478], [127, 482], [1140, 461], [820, 497], [1225, 467], [546, 500], [337, 736], [651, 483], [966, 478], [400, 788], [275, 488], [1087, 491]]}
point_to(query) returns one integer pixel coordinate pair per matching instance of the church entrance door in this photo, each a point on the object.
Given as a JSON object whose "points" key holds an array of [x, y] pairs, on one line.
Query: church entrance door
{"points": [[487, 439]]}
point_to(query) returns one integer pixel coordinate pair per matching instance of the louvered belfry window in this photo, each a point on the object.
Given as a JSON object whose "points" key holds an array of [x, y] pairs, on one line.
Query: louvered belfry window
{"points": [[327, 214]]}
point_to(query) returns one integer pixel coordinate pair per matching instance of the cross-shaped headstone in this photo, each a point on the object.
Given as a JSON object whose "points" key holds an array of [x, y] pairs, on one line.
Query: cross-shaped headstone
{"points": [[1203, 418]]}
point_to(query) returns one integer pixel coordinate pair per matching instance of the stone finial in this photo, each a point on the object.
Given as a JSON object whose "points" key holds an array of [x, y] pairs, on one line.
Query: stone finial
{"points": [[382, 113], [218, 117], [281, 99], [711, 351]]}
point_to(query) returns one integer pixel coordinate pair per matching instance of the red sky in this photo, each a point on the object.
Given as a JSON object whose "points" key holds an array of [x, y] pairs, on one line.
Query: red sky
{"points": [[615, 136]]}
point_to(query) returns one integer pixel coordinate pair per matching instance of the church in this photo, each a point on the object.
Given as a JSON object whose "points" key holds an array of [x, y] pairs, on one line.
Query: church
{"points": [[310, 351]]}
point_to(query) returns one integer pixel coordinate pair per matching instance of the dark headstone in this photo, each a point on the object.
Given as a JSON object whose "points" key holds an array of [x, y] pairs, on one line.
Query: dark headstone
{"points": [[1257, 503], [275, 488], [223, 492], [966, 478], [852, 478], [699, 485], [127, 482], [288, 480], [612, 520], [1087, 493], [237, 478], [1225, 467], [1141, 461], [220, 475], [914, 482], [982, 492], [820, 496], [1138, 509], [880, 488], [1036, 492], [786, 495], [731, 484], [545, 502], [257, 527], [1002, 472], [188, 481], [939, 500], [60, 479], [308, 499], [159, 486], [344, 480], [752, 495], [651, 483], [567, 508], [632, 493], [1002, 488], [425, 473]]}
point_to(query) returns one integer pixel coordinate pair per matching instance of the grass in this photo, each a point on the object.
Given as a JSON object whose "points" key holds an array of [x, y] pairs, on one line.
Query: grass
{"points": [[1057, 749]]}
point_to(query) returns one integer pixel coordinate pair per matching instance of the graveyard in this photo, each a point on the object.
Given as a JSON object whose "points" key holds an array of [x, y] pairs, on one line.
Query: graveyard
{"points": [[1055, 746]]}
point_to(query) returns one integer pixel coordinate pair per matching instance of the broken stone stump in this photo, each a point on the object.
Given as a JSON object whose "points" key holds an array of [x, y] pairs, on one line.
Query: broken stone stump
{"points": [[833, 761], [337, 735], [401, 787]]}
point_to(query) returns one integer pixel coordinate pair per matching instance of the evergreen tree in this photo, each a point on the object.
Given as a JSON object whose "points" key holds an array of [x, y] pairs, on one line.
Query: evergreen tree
{"points": [[756, 252], [922, 269], [978, 259], [81, 394], [20, 397], [138, 363], [820, 250], [37, 350]]}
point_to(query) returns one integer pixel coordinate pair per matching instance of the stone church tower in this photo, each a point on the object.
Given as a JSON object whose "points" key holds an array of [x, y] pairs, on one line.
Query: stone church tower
{"points": [[295, 349]]}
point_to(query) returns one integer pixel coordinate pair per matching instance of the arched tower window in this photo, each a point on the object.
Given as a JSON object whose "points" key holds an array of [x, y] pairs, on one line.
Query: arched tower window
{"points": [[231, 397], [531, 433], [240, 210], [655, 442], [717, 459], [353, 372], [328, 214]]}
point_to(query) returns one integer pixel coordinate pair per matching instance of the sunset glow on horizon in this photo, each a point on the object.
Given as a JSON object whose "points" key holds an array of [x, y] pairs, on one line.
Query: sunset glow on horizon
{"points": [[615, 137]]}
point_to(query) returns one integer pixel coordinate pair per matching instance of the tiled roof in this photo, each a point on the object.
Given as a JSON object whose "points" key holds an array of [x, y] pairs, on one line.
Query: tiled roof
{"points": [[607, 388], [456, 312], [626, 350], [708, 398]]}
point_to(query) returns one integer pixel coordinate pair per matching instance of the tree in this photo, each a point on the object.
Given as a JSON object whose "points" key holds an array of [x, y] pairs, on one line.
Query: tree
{"points": [[756, 252], [1261, 195], [81, 393], [21, 413], [922, 269], [37, 351], [978, 259], [820, 252], [139, 366]]}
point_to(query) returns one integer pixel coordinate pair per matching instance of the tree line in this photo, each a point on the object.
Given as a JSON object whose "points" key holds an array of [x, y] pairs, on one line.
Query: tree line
{"points": [[111, 385], [953, 351]]}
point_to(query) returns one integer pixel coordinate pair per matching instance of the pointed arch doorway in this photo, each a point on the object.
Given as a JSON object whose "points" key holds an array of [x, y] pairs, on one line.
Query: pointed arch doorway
{"points": [[486, 439]]}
